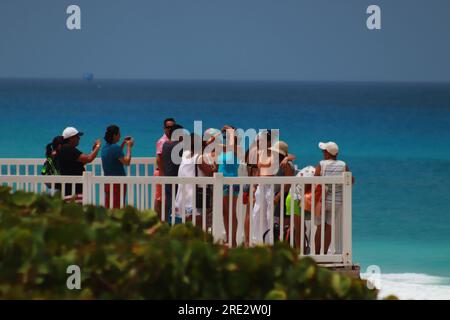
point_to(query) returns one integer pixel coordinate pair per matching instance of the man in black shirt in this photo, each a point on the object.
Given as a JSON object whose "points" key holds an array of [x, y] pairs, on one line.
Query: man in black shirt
{"points": [[71, 160], [170, 166]]}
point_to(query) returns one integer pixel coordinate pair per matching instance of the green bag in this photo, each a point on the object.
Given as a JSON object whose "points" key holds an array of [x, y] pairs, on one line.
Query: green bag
{"points": [[288, 205], [49, 168]]}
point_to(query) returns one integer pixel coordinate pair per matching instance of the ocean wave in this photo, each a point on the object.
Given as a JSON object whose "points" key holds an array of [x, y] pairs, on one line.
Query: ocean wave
{"points": [[413, 286]]}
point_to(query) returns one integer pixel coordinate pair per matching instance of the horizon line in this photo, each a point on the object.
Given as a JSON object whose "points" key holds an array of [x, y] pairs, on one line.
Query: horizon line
{"points": [[80, 79]]}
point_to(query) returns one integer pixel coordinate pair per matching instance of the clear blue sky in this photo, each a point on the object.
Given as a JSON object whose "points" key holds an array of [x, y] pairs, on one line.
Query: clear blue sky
{"points": [[227, 39]]}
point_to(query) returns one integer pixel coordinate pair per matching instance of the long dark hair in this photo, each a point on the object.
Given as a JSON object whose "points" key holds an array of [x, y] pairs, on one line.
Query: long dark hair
{"points": [[53, 146], [111, 131], [281, 157]]}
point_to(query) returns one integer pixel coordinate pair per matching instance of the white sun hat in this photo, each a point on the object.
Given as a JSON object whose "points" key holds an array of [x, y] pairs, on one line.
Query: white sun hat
{"points": [[280, 147], [331, 147], [70, 132]]}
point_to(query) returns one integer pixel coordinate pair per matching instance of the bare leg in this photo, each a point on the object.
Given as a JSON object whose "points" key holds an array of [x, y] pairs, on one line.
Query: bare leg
{"points": [[198, 220], [249, 211], [234, 222], [157, 203], [327, 238], [297, 233], [208, 219], [225, 206], [247, 225], [158, 208]]}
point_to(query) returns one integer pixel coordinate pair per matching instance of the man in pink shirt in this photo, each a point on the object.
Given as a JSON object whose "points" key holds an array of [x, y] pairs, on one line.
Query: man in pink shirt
{"points": [[159, 171]]}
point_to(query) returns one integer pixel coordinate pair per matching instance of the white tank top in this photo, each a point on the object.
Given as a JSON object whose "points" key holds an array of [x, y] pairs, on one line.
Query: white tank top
{"points": [[333, 168], [266, 159]]}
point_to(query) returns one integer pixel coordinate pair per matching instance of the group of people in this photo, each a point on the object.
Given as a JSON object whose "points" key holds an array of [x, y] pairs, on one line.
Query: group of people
{"points": [[178, 156], [64, 158], [260, 159]]}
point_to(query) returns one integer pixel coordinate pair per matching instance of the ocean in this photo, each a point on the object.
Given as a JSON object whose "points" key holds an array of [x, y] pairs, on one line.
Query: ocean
{"points": [[394, 137]]}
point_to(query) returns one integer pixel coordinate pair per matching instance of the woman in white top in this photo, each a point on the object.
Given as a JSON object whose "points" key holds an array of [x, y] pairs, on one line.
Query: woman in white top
{"points": [[269, 165], [330, 166], [186, 192]]}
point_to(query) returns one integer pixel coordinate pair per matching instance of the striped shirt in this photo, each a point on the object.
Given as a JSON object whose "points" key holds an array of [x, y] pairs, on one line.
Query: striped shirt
{"points": [[333, 168]]}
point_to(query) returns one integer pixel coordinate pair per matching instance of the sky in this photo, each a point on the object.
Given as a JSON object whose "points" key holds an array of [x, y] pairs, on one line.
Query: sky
{"points": [[305, 40]]}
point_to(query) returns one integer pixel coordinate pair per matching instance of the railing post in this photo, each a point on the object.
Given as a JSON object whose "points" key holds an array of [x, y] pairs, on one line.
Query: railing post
{"points": [[87, 187], [347, 219], [217, 210]]}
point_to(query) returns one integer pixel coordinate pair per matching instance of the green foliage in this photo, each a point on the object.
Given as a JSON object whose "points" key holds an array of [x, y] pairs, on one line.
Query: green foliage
{"points": [[127, 254]]}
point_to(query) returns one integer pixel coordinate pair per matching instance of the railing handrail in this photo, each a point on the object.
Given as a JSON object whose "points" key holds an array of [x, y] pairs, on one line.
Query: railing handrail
{"points": [[178, 180], [22, 161], [15, 165], [41, 179], [40, 161]]}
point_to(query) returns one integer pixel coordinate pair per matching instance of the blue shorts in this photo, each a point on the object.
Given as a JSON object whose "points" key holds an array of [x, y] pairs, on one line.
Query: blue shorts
{"points": [[178, 220], [226, 190]]}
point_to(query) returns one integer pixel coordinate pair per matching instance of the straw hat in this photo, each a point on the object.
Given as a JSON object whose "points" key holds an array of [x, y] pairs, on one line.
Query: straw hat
{"points": [[280, 147]]}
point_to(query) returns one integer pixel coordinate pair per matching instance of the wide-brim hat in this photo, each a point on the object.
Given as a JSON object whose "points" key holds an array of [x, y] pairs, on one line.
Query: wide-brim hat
{"points": [[280, 147]]}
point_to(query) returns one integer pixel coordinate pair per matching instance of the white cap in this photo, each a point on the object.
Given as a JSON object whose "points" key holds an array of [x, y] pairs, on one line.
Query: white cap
{"points": [[70, 132], [331, 147]]}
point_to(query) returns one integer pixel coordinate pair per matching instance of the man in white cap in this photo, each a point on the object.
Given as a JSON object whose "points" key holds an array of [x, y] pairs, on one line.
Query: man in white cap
{"points": [[71, 160], [330, 166]]}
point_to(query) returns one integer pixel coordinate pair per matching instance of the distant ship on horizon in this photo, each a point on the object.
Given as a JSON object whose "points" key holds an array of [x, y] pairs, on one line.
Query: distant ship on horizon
{"points": [[89, 76]]}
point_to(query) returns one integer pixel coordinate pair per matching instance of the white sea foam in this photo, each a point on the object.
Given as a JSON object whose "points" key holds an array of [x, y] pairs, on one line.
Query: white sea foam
{"points": [[413, 286]]}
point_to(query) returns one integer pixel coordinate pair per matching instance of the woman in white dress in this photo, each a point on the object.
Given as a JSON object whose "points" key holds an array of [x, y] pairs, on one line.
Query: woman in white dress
{"points": [[189, 167]]}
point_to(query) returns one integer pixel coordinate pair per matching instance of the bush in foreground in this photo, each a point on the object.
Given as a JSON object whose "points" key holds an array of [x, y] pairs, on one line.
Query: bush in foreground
{"points": [[127, 254]]}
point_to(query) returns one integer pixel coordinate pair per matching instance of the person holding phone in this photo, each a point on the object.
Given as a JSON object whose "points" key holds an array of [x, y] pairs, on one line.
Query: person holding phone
{"points": [[113, 162], [72, 161]]}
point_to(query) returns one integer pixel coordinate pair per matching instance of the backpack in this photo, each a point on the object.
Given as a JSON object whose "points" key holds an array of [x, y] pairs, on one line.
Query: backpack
{"points": [[49, 168]]}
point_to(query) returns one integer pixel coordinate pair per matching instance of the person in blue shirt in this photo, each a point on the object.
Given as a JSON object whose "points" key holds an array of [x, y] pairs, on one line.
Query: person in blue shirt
{"points": [[228, 165], [113, 162]]}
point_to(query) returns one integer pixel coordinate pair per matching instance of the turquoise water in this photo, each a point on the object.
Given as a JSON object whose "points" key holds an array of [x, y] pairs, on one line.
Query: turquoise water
{"points": [[394, 137]]}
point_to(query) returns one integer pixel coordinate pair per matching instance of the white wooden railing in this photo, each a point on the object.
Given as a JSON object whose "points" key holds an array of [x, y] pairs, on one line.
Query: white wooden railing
{"points": [[140, 191], [32, 166]]}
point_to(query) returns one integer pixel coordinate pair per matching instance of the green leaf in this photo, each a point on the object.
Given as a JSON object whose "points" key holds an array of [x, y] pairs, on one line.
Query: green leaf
{"points": [[23, 199], [276, 295]]}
